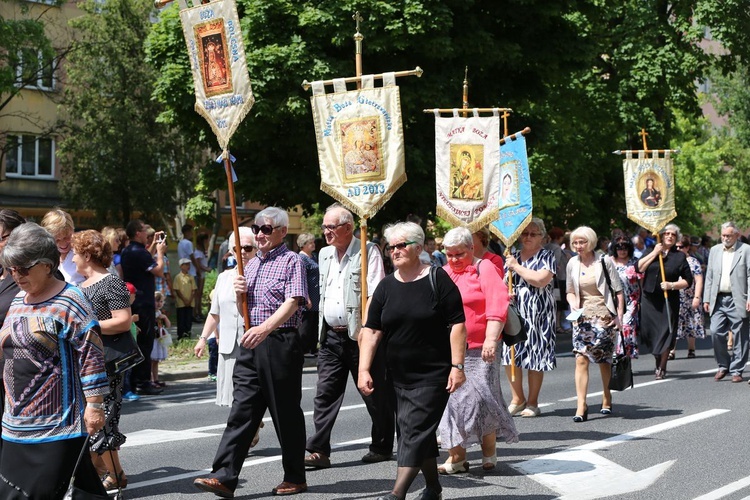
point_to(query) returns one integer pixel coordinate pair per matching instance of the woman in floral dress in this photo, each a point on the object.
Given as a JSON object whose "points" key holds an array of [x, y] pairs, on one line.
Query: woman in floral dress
{"points": [[627, 267], [690, 324]]}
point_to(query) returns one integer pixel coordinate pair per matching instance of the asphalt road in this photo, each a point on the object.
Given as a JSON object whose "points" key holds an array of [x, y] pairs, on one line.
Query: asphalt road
{"points": [[680, 438]]}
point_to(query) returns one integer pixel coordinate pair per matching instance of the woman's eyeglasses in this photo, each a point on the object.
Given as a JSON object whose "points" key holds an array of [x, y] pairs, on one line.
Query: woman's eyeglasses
{"points": [[621, 247], [247, 248], [265, 229], [21, 271], [398, 246], [4, 237], [679, 247], [530, 235]]}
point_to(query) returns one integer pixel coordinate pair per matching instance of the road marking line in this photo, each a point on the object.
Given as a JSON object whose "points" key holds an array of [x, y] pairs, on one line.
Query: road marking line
{"points": [[726, 490], [636, 386]]}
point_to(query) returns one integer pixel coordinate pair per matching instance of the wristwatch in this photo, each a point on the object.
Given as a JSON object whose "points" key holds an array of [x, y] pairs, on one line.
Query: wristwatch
{"points": [[460, 366], [96, 406]]}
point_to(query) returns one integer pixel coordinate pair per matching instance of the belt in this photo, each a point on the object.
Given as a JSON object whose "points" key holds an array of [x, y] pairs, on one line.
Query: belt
{"points": [[339, 329]]}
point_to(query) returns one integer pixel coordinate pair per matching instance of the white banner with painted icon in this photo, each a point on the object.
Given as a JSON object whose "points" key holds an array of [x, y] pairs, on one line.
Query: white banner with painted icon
{"points": [[467, 159], [223, 95], [360, 142], [649, 189]]}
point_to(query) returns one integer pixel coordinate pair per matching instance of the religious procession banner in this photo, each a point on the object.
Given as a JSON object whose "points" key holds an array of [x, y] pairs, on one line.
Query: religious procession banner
{"points": [[467, 166], [217, 58], [514, 201], [360, 142], [649, 189]]}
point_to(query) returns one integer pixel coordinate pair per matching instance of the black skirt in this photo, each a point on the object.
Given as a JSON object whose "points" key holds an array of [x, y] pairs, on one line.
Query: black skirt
{"points": [[42, 471], [654, 326], [418, 414]]}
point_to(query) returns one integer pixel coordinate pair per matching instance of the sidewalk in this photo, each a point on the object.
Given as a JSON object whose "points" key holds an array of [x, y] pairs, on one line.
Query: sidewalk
{"points": [[187, 367]]}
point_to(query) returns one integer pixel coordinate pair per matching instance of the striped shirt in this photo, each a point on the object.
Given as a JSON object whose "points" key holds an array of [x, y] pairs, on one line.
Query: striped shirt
{"points": [[53, 360], [272, 278]]}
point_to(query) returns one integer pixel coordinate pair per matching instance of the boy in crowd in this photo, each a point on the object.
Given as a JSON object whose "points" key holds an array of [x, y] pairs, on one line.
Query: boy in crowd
{"points": [[185, 291]]}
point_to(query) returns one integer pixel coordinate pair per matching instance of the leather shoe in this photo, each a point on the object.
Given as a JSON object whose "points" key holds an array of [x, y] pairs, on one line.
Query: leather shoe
{"points": [[317, 460], [372, 458], [212, 485], [736, 378], [286, 488], [720, 374]]}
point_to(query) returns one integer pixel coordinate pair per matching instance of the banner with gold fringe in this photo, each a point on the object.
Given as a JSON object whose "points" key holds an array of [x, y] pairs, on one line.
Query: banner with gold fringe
{"points": [[514, 201], [649, 189], [467, 160], [217, 58], [360, 142]]}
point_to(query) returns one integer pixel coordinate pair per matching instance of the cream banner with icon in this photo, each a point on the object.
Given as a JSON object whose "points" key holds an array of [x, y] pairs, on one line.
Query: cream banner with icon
{"points": [[649, 189], [217, 58], [360, 142], [467, 159]]}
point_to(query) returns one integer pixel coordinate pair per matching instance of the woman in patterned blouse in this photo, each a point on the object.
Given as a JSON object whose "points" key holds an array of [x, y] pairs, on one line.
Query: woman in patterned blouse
{"points": [[53, 372]]}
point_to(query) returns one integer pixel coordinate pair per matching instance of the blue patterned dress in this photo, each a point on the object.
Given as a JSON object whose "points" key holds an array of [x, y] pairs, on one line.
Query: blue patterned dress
{"points": [[538, 309], [691, 320]]}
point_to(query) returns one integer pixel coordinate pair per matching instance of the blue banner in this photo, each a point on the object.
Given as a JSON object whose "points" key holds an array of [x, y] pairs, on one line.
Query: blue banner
{"points": [[514, 199]]}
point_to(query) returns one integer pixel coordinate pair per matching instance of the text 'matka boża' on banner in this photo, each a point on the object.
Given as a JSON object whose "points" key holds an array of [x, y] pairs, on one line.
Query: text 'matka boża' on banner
{"points": [[467, 160], [223, 95]]}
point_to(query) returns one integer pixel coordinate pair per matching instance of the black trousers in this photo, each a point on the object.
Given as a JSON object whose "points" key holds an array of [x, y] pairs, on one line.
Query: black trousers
{"points": [[308, 331], [338, 357], [184, 322], [267, 377], [145, 340]]}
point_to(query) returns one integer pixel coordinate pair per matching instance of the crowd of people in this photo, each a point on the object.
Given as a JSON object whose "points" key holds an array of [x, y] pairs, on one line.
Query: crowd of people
{"points": [[421, 335]]}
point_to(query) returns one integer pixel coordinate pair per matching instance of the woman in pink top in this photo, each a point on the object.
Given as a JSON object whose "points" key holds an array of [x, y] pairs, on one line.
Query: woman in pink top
{"points": [[476, 412]]}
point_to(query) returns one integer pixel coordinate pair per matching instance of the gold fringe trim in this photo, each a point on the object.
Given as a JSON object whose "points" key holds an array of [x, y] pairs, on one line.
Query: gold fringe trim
{"points": [[364, 213], [473, 226], [513, 237], [224, 136], [657, 226]]}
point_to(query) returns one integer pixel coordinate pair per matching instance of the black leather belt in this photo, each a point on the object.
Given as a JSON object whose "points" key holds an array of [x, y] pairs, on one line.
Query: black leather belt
{"points": [[339, 329]]}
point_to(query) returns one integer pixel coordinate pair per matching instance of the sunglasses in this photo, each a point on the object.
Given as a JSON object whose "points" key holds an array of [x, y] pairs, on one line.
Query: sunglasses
{"points": [[265, 229], [398, 246], [4, 237], [679, 247], [622, 247], [21, 271], [247, 248]]}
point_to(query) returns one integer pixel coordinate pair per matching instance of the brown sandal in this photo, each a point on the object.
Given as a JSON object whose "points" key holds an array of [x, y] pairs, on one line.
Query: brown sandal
{"points": [[110, 483]]}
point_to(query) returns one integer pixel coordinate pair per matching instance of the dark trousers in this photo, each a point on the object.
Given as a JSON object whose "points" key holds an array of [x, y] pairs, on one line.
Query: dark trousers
{"points": [[308, 331], [145, 340], [213, 355], [338, 357], [267, 377], [184, 322]]}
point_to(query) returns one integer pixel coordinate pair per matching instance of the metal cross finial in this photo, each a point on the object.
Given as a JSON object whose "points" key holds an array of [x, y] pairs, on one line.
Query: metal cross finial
{"points": [[357, 18]]}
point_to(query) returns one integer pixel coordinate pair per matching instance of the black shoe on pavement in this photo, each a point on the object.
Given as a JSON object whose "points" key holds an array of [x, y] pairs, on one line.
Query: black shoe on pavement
{"points": [[372, 458], [318, 461], [428, 494]]}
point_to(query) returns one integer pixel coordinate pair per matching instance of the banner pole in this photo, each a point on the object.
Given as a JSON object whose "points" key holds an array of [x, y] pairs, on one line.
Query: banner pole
{"points": [[664, 278], [236, 229], [513, 347]]}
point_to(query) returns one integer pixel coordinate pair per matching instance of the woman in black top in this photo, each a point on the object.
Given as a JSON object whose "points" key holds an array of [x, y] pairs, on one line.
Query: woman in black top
{"points": [[111, 301], [658, 334], [422, 324]]}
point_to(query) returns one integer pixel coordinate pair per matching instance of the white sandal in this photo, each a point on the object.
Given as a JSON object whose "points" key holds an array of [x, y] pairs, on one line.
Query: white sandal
{"points": [[515, 409], [531, 411], [453, 468], [489, 463]]}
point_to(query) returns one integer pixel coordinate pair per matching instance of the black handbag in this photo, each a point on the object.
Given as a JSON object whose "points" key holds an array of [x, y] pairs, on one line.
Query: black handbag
{"points": [[121, 352], [515, 327], [75, 493], [622, 374]]}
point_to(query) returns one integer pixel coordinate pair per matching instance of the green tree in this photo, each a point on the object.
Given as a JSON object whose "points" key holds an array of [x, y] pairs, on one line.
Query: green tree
{"points": [[585, 75], [118, 159]]}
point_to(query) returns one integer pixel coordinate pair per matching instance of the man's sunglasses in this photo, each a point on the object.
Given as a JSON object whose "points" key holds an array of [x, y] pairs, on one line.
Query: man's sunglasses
{"points": [[21, 271], [265, 229]]}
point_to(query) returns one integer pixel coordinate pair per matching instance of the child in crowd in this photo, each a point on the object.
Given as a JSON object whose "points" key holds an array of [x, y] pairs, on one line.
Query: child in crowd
{"points": [[185, 291], [127, 391], [162, 340]]}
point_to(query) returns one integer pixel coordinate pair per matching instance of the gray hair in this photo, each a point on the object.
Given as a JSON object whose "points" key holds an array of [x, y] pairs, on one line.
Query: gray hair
{"points": [[304, 238], [730, 225], [407, 230], [540, 224], [458, 236], [675, 229], [277, 216], [587, 234], [344, 215], [244, 231], [30, 244]]}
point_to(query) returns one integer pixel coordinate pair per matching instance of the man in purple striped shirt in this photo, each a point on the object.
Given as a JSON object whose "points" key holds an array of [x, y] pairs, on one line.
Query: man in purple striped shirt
{"points": [[268, 372]]}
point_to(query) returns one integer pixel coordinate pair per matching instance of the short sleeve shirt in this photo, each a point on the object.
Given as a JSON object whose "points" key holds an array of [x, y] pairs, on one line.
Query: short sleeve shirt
{"points": [[137, 264], [107, 295]]}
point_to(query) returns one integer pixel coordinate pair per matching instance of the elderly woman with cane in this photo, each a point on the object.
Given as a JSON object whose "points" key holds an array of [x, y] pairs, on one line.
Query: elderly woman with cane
{"points": [[418, 313]]}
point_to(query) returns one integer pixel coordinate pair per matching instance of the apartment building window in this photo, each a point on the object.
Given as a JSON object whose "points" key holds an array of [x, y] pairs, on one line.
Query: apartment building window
{"points": [[30, 156], [34, 70]]}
